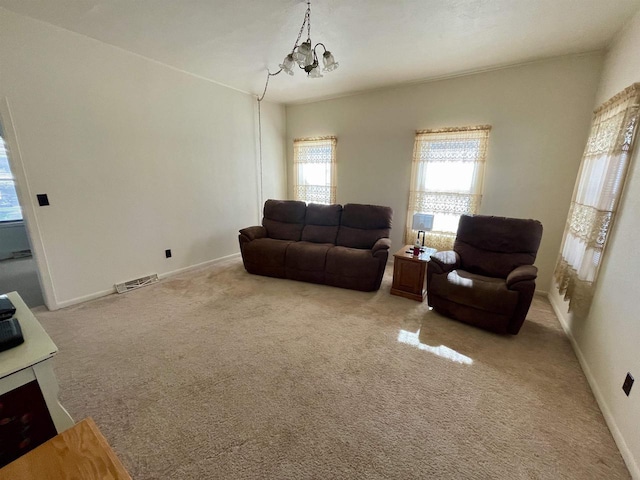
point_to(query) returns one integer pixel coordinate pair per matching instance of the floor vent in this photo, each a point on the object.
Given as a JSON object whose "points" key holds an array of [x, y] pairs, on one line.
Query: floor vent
{"points": [[21, 254], [137, 283]]}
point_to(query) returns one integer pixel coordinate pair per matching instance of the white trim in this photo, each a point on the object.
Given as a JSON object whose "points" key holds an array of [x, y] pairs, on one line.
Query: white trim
{"points": [[438, 78], [82, 299], [198, 265], [129, 52], [257, 136], [104, 293], [627, 455], [12, 224], [25, 197]]}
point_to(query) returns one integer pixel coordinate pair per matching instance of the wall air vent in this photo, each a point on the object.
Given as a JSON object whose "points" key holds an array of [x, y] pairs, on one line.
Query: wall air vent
{"points": [[137, 283]]}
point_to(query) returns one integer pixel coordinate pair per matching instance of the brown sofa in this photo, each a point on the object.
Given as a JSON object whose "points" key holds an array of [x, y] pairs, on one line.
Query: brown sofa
{"points": [[340, 246], [488, 280]]}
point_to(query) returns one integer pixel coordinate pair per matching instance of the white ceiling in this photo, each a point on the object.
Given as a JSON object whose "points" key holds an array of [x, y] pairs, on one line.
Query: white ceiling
{"points": [[378, 43]]}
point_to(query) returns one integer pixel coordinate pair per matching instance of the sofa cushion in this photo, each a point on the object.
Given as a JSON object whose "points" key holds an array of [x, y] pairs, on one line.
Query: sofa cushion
{"points": [[492, 264], [287, 211], [366, 216], [494, 246], [265, 251], [328, 215], [283, 231], [319, 234], [477, 291], [321, 223], [307, 256], [284, 219], [352, 262], [362, 225], [358, 237]]}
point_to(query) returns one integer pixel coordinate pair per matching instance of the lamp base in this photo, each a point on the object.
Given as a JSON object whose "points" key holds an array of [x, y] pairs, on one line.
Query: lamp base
{"points": [[424, 234]]}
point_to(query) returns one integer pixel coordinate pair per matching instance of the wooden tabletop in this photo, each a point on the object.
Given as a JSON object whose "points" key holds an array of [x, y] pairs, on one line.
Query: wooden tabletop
{"points": [[407, 252], [79, 453]]}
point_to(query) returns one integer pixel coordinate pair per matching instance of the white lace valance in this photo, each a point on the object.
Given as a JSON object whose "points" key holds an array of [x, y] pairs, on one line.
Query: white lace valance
{"points": [[602, 174]]}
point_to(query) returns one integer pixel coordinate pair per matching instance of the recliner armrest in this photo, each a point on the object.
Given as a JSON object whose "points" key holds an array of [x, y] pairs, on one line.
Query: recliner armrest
{"points": [[252, 233], [522, 273], [382, 244], [444, 262]]}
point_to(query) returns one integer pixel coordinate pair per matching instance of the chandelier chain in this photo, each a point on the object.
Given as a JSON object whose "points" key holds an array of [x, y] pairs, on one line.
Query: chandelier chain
{"points": [[306, 21], [308, 15], [266, 85]]}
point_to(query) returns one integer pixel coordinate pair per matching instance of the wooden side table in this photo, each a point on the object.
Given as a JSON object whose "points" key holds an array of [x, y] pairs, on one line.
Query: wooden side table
{"points": [[80, 452], [30, 412], [409, 273]]}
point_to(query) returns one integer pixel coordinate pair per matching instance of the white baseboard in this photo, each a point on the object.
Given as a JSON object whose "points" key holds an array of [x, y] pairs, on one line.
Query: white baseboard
{"points": [[104, 293], [84, 298], [627, 455], [198, 265]]}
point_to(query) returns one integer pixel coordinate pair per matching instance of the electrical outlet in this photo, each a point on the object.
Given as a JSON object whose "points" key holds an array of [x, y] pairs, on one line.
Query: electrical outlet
{"points": [[43, 199], [167, 253], [628, 383]]}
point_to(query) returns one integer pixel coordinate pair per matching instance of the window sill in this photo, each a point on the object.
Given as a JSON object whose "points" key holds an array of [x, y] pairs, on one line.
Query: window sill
{"points": [[12, 224]]}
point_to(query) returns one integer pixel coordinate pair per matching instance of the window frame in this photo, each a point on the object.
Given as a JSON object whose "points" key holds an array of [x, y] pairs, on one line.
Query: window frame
{"points": [[12, 179], [327, 190], [445, 202]]}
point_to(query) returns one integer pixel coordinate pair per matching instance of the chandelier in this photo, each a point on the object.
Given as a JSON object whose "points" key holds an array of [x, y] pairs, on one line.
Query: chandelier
{"points": [[304, 55]]}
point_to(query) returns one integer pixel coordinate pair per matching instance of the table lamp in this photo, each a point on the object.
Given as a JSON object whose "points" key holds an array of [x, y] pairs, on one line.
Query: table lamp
{"points": [[423, 222]]}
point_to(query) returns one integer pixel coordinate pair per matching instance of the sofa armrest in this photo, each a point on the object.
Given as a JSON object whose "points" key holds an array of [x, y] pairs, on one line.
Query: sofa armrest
{"points": [[252, 233], [443, 262], [522, 273], [383, 244]]}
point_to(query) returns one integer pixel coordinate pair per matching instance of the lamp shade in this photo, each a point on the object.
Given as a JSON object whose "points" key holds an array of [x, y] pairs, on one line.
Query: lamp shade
{"points": [[315, 72], [302, 52], [422, 221], [288, 64], [329, 62]]}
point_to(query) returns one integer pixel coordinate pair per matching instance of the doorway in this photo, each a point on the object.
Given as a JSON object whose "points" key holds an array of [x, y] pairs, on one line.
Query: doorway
{"points": [[18, 268]]}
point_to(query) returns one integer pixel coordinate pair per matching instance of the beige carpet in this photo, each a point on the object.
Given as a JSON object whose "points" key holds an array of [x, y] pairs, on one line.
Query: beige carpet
{"points": [[218, 374]]}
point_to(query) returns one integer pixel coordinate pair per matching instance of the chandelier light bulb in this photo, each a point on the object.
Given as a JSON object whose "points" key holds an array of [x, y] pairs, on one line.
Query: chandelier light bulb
{"points": [[315, 72], [309, 59], [302, 52], [287, 64], [329, 62]]}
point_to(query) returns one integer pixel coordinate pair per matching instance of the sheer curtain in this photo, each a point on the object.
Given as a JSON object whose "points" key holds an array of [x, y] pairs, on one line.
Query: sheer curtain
{"points": [[314, 163], [595, 198], [446, 180]]}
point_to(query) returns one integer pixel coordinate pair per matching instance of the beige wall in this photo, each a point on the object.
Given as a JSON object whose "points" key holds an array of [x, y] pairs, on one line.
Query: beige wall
{"points": [[274, 167], [136, 157], [540, 116], [608, 341]]}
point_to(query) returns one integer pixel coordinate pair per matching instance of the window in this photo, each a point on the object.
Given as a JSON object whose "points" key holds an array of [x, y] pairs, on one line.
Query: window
{"points": [[314, 163], [446, 180], [596, 195], [9, 206]]}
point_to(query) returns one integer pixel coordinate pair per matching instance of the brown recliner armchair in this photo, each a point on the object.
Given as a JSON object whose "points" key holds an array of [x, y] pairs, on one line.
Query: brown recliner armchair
{"points": [[488, 280]]}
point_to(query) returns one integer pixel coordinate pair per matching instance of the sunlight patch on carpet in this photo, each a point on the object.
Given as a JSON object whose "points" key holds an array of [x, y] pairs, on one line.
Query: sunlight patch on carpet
{"points": [[413, 339]]}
